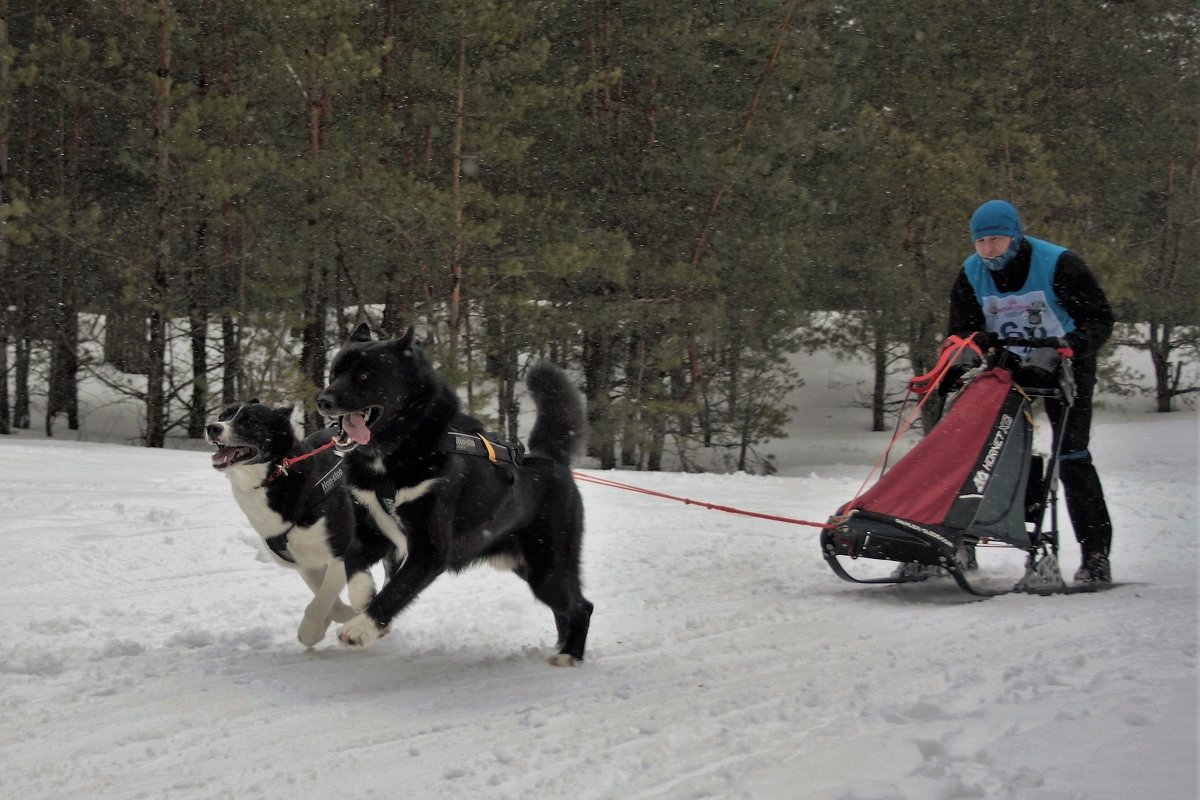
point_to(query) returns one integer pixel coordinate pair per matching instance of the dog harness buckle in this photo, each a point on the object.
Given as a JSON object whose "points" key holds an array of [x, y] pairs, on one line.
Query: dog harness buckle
{"points": [[476, 444], [491, 451]]}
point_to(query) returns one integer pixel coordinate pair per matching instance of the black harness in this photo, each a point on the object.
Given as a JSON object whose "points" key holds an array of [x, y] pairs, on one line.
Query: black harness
{"points": [[476, 444], [501, 454], [325, 486]]}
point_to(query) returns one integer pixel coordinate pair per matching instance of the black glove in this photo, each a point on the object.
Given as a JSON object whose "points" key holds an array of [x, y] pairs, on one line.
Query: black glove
{"points": [[1048, 341], [987, 340], [953, 380], [1072, 343], [1042, 360]]}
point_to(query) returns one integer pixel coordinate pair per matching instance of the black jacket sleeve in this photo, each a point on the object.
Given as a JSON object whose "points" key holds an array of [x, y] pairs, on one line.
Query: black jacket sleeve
{"points": [[1081, 296], [966, 316]]}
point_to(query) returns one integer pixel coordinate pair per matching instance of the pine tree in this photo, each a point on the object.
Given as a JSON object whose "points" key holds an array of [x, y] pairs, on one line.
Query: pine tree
{"points": [[1133, 170], [933, 124]]}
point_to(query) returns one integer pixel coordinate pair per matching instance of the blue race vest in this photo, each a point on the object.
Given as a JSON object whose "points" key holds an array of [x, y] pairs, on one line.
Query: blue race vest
{"points": [[1033, 311]]}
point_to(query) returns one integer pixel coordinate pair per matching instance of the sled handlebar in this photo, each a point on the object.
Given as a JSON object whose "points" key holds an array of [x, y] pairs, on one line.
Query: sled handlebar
{"points": [[994, 340], [1045, 341], [1049, 362]]}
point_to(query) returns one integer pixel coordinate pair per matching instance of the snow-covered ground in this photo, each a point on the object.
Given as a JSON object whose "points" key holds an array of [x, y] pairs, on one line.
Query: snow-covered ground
{"points": [[147, 648]]}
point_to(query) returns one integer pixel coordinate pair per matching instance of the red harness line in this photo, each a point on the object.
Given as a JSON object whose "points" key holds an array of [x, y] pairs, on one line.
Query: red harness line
{"points": [[287, 463], [922, 384], [687, 501]]}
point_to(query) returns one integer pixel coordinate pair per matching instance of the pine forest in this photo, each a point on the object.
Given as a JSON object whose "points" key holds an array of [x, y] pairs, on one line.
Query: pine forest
{"points": [[199, 200]]}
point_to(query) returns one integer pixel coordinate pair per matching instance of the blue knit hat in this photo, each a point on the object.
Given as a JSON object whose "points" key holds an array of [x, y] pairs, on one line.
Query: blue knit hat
{"points": [[996, 218]]}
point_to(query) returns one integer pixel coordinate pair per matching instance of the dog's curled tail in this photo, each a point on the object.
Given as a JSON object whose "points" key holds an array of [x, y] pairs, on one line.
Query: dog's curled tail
{"points": [[560, 428]]}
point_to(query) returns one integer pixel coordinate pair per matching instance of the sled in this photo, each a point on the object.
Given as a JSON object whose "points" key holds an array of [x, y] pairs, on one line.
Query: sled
{"points": [[973, 479]]}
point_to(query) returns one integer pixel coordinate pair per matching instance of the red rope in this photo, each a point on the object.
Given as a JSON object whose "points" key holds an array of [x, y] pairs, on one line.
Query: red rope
{"points": [[688, 501], [287, 463], [921, 385]]}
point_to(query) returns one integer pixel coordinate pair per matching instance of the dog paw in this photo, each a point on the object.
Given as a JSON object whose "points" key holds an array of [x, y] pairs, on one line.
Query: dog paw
{"points": [[359, 632], [361, 591], [340, 612], [312, 631], [563, 660]]}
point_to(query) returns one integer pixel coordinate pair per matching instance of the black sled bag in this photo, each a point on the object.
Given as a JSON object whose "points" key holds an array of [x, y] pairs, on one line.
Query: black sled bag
{"points": [[965, 481]]}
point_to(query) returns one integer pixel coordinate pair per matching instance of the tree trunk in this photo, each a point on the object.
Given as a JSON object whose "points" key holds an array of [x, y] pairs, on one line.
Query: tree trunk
{"points": [[316, 290], [1168, 268], [597, 383], [197, 289], [61, 397], [456, 263], [155, 395], [1160, 357], [233, 269], [125, 338], [879, 360], [198, 334], [5, 198], [312, 343], [5, 419], [508, 406], [231, 371], [635, 372], [658, 440], [62, 393], [233, 299], [22, 351], [501, 366], [341, 280], [197, 285], [397, 308], [21, 322]]}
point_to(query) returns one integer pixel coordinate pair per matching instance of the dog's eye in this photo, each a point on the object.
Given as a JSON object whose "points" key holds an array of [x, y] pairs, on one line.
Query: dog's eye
{"points": [[362, 376]]}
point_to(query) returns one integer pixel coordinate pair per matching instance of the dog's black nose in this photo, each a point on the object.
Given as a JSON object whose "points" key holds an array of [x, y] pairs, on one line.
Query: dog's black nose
{"points": [[212, 431], [325, 405]]}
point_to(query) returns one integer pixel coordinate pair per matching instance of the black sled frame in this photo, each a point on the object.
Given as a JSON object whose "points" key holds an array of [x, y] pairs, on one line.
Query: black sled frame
{"points": [[865, 534]]}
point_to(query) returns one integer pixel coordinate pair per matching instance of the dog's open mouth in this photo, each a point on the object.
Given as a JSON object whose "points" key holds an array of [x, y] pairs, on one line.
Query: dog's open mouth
{"points": [[226, 456], [357, 425]]}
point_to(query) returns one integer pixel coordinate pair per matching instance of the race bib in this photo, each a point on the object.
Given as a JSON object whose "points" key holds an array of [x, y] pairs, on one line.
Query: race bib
{"points": [[1022, 316]]}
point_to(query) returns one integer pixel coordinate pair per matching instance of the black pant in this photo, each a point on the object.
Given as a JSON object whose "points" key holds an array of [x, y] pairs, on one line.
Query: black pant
{"points": [[1080, 482]]}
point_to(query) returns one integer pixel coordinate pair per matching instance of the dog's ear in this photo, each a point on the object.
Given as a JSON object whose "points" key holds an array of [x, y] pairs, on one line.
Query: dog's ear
{"points": [[362, 333], [405, 342], [286, 411], [252, 401]]}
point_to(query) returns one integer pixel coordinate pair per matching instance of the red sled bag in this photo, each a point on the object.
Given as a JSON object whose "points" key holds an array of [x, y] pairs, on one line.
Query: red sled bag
{"points": [[970, 472]]}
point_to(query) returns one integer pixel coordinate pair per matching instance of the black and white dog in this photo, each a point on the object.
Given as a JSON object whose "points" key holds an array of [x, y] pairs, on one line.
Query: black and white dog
{"points": [[306, 516], [460, 498]]}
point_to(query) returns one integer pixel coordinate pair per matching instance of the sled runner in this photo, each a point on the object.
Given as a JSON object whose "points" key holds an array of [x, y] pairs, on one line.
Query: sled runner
{"points": [[974, 478]]}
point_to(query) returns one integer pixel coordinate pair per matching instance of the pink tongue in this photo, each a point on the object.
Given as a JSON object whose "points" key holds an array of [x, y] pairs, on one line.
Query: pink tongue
{"points": [[356, 425]]}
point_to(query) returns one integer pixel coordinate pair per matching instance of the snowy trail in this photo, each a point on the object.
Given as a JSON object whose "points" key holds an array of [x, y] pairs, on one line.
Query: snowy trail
{"points": [[148, 650]]}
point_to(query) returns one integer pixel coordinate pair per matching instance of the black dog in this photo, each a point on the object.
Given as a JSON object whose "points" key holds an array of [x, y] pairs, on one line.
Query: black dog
{"points": [[460, 498], [303, 510]]}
